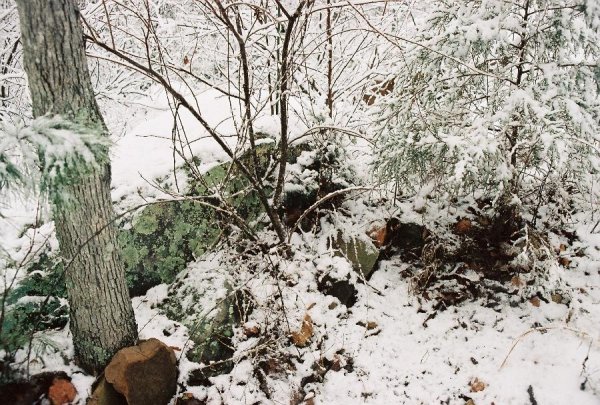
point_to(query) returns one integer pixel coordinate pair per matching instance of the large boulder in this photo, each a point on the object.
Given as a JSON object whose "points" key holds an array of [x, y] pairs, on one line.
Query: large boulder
{"points": [[163, 238], [144, 374]]}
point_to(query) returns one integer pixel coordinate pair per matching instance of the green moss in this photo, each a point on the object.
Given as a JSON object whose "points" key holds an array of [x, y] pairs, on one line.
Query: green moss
{"points": [[146, 224], [164, 238], [132, 255]]}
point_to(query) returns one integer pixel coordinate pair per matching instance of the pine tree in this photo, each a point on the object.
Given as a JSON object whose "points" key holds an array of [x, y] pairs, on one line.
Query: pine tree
{"points": [[499, 99]]}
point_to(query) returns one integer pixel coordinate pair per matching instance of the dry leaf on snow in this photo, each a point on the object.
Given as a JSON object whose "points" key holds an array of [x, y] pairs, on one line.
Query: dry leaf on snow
{"points": [[535, 301], [302, 337], [477, 385]]}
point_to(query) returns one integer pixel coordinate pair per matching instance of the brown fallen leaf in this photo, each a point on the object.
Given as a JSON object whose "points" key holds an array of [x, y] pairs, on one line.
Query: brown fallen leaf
{"points": [[371, 325], [535, 301], [301, 338], [477, 385], [516, 281], [336, 363], [463, 226], [564, 261], [378, 235]]}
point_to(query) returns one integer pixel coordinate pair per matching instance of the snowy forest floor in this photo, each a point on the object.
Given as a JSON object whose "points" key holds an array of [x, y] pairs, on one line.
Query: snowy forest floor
{"points": [[396, 347], [440, 360], [526, 354]]}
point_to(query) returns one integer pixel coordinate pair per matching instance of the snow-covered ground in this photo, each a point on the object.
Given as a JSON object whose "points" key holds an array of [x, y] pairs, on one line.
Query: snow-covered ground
{"points": [[513, 354], [401, 352], [552, 348], [549, 353]]}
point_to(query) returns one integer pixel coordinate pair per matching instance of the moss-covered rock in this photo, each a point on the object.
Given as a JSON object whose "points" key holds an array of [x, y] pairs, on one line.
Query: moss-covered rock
{"points": [[163, 239]]}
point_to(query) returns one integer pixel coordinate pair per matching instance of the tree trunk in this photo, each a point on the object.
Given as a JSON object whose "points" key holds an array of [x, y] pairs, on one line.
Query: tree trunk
{"points": [[102, 320]]}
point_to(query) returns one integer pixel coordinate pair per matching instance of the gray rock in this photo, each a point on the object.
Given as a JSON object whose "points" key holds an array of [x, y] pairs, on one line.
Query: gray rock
{"points": [[361, 252]]}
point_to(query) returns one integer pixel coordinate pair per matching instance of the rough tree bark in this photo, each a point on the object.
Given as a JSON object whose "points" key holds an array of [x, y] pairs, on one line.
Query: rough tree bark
{"points": [[102, 320]]}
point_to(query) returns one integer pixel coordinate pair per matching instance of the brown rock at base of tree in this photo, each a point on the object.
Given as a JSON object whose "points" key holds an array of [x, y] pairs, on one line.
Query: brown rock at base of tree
{"points": [[145, 374], [61, 392], [104, 394]]}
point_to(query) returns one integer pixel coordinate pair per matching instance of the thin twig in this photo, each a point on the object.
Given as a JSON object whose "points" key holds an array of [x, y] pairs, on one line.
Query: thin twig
{"points": [[323, 200], [540, 329]]}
